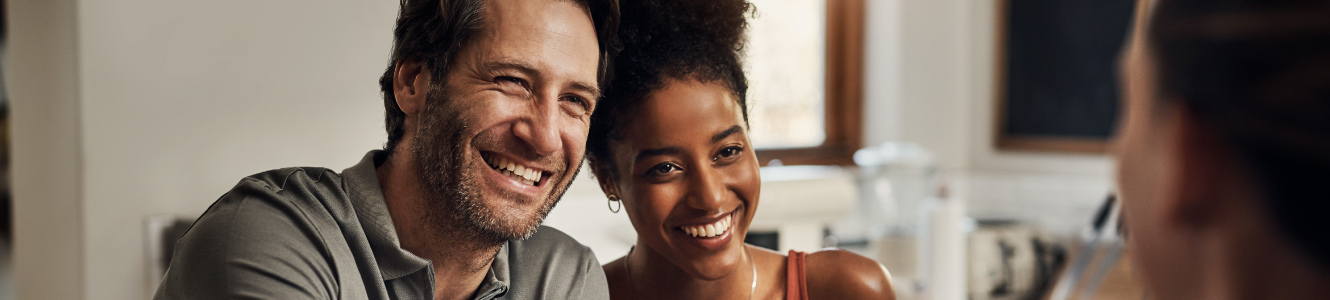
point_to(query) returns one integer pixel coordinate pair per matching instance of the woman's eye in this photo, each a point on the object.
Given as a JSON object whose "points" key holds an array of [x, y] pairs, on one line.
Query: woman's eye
{"points": [[729, 152], [662, 169]]}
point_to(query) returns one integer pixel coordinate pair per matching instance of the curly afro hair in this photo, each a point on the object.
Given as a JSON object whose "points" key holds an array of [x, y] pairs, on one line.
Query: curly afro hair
{"points": [[664, 40]]}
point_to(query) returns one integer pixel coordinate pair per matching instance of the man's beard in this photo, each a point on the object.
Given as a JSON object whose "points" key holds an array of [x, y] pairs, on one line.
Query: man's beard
{"points": [[453, 200]]}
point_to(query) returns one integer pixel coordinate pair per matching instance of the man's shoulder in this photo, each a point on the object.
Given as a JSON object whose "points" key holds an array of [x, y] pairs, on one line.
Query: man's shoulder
{"points": [[299, 199], [275, 232], [553, 264], [307, 188], [550, 235], [548, 243], [286, 201], [278, 180]]}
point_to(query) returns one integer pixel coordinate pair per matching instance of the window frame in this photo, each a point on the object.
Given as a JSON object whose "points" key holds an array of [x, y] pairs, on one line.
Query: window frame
{"points": [[843, 95]]}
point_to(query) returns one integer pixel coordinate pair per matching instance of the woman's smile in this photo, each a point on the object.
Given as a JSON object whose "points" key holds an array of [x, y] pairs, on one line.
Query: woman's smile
{"points": [[709, 230], [708, 234]]}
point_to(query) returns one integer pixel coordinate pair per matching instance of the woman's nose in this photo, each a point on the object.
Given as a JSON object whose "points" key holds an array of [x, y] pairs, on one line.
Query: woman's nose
{"points": [[706, 190]]}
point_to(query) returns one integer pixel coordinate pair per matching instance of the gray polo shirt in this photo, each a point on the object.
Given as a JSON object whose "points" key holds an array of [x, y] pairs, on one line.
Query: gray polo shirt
{"points": [[310, 233]]}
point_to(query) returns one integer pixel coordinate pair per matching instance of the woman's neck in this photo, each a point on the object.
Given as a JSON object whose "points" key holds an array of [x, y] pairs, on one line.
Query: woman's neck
{"points": [[653, 276]]}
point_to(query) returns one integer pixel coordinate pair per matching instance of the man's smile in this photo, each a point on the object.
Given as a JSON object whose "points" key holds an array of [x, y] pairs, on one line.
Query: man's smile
{"points": [[525, 173], [518, 176]]}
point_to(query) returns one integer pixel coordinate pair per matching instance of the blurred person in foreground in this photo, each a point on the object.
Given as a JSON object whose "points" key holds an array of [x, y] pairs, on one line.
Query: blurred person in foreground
{"points": [[1224, 155], [488, 106], [670, 145]]}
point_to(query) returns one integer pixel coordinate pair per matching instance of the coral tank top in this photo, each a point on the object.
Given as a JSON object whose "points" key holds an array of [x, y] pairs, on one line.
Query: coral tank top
{"points": [[796, 287]]}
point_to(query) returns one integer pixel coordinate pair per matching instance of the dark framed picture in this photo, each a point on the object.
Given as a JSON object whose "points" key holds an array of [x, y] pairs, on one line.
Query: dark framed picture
{"points": [[1057, 84]]}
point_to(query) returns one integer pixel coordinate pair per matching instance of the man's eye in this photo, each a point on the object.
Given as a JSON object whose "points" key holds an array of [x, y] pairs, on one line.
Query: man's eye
{"points": [[579, 101], [510, 80]]}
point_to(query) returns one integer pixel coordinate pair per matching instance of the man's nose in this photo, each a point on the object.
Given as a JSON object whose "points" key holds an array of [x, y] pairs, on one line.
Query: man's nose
{"points": [[540, 127], [707, 192]]}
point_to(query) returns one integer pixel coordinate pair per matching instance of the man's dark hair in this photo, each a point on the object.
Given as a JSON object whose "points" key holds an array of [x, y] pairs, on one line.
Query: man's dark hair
{"points": [[666, 40], [1257, 72], [434, 31]]}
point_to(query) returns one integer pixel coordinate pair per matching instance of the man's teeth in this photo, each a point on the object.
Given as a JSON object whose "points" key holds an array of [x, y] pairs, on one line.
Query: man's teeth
{"points": [[516, 171], [708, 230]]}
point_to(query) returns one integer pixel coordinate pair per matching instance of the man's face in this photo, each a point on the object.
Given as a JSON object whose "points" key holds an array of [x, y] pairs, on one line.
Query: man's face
{"points": [[499, 144]]}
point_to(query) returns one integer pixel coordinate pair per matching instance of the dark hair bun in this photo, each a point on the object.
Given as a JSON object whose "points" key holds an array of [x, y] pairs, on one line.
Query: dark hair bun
{"points": [[665, 40], [680, 38]]}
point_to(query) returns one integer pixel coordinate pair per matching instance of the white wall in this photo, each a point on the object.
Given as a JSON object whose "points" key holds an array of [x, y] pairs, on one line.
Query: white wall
{"points": [[930, 80], [41, 75], [163, 106]]}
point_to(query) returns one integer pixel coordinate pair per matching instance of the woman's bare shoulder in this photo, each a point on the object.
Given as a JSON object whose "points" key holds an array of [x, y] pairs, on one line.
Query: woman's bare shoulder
{"points": [[616, 274], [840, 274], [614, 267]]}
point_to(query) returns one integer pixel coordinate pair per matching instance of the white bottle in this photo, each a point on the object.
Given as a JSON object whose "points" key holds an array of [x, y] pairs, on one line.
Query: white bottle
{"points": [[943, 252]]}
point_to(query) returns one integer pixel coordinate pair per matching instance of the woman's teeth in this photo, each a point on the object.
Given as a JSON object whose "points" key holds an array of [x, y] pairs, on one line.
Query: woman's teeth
{"points": [[516, 171], [708, 230]]}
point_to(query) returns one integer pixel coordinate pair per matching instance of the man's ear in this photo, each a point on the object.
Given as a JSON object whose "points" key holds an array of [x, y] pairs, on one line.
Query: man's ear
{"points": [[410, 85], [1204, 167]]}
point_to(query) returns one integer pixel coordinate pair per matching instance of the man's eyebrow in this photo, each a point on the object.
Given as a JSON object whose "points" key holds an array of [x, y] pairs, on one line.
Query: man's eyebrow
{"points": [[527, 69], [724, 134], [649, 153], [587, 88], [506, 64]]}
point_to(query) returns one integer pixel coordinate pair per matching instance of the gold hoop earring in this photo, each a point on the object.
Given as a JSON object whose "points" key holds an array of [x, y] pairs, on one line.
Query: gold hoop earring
{"points": [[614, 199]]}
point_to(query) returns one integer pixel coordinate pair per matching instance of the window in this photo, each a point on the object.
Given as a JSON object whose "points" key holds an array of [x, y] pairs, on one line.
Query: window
{"points": [[804, 61]]}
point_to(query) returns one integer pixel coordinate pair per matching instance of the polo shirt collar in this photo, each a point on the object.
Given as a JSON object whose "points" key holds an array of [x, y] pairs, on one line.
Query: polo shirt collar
{"points": [[362, 185], [496, 280]]}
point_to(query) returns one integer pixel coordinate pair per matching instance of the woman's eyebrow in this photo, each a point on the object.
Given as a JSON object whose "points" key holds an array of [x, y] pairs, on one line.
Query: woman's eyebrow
{"points": [[671, 150], [649, 153], [727, 133]]}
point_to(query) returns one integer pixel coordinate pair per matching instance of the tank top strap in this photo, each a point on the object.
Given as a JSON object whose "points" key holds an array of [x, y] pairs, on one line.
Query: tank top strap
{"points": [[796, 287]]}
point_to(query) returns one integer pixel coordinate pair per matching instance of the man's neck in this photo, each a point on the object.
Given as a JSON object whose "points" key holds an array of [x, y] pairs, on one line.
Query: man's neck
{"points": [[460, 261]]}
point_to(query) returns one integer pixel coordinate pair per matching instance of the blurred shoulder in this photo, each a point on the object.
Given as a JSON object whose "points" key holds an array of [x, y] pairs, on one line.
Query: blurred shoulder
{"points": [[840, 274]]}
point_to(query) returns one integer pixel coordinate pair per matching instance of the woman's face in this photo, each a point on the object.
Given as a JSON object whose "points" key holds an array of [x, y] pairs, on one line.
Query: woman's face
{"points": [[688, 176]]}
